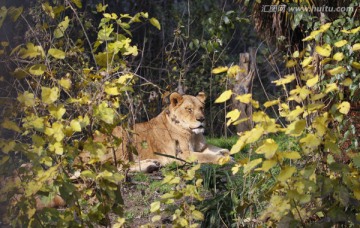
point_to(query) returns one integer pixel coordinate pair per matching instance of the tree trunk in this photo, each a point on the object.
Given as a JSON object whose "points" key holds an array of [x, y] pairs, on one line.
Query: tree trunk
{"points": [[242, 85]]}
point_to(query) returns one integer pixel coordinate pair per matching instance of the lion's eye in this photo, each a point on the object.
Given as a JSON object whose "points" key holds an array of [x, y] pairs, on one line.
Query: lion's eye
{"points": [[189, 110]]}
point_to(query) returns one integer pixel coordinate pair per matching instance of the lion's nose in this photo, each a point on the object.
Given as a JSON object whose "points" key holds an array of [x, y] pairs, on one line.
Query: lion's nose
{"points": [[200, 119]]}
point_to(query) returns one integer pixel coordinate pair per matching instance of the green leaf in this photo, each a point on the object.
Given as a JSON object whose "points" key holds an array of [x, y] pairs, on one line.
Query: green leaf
{"points": [[61, 28], [155, 23], [14, 13], [77, 3], [37, 69], [224, 96], [49, 95], [56, 53]]}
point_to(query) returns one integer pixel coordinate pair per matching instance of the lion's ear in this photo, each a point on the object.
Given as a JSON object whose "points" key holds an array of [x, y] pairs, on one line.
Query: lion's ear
{"points": [[175, 99], [201, 96]]}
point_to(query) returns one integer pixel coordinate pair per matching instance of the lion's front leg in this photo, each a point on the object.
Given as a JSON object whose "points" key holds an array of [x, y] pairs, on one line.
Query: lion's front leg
{"points": [[146, 166], [216, 150]]}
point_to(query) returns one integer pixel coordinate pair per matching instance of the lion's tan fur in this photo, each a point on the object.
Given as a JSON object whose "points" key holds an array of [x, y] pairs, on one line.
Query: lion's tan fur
{"points": [[177, 131]]}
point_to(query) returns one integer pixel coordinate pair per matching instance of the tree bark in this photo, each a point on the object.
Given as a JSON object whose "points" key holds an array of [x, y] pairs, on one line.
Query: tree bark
{"points": [[242, 85]]}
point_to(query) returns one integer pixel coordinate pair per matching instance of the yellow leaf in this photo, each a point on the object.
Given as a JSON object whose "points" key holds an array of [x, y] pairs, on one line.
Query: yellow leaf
{"points": [[156, 218], [155, 23], [56, 53], [224, 96], [324, 50], [57, 112], [337, 70], [56, 131], [309, 143], [233, 71], [251, 165], [75, 125], [287, 79], [224, 159], [105, 113], [65, 83], [268, 164], [271, 103], [290, 63], [155, 206], [219, 70], [10, 125], [306, 61], [61, 28], [237, 147], [269, 148], [286, 173], [347, 82], [356, 65], [325, 27], [311, 82], [344, 107], [293, 155], [356, 47], [340, 43], [49, 95], [312, 35], [355, 30], [197, 215], [338, 56], [56, 147], [112, 90], [26, 99], [331, 87], [233, 115], [244, 98], [296, 54], [37, 69], [296, 128], [295, 113], [325, 61], [9, 146]]}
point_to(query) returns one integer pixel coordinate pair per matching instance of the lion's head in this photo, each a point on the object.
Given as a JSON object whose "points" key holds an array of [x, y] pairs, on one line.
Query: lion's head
{"points": [[187, 112]]}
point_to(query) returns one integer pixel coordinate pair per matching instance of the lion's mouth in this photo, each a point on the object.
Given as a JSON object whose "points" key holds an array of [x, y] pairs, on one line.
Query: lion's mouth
{"points": [[198, 130]]}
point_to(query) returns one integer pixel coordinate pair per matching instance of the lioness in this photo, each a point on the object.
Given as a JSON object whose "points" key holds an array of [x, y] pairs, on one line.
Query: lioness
{"points": [[177, 131]]}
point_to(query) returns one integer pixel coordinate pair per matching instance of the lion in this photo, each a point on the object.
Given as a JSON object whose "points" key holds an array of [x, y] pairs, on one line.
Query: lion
{"points": [[177, 132]]}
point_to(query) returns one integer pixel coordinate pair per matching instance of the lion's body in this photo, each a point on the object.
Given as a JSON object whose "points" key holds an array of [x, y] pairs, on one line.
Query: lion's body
{"points": [[177, 132]]}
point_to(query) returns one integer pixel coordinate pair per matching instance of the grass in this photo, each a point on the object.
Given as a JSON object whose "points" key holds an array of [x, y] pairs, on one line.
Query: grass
{"points": [[229, 199]]}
